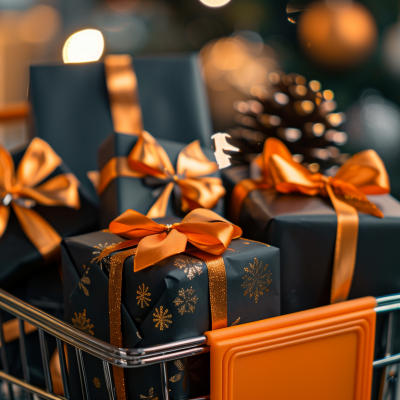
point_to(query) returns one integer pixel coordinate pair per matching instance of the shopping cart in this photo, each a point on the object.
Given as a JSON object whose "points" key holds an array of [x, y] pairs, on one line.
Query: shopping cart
{"points": [[345, 315]]}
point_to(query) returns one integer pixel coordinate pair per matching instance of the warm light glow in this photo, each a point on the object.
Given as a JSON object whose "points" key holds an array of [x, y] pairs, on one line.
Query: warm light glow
{"points": [[223, 159], [83, 46], [215, 3]]}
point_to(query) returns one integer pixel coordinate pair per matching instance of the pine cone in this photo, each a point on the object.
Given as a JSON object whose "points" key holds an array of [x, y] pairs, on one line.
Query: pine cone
{"points": [[299, 114]]}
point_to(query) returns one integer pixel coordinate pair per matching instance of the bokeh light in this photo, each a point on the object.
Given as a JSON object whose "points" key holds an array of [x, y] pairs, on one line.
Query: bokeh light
{"points": [[215, 3], [83, 46], [337, 34]]}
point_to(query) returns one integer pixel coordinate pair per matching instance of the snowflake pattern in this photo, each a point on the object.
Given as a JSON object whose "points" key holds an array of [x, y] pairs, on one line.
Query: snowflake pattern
{"points": [[104, 263], [162, 319], [85, 281], [82, 323], [257, 280], [187, 371], [191, 266], [186, 301], [151, 395], [143, 296]]}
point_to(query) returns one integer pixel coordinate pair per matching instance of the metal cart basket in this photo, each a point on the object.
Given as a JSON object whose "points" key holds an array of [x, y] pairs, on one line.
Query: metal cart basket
{"points": [[111, 355]]}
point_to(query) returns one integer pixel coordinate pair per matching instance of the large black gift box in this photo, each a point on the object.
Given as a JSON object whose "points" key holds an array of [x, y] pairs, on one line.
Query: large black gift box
{"points": [[162, 303], [19, 257], [304, 228], [133, 193], [70, 105]]}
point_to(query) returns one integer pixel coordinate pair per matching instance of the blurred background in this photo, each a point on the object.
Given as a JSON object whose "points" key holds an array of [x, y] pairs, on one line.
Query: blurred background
{"points": [[345, 52]]}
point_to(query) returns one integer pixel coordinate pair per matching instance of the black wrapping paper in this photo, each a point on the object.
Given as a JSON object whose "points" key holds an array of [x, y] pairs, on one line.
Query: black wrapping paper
{"points": [[70, 105], [132, 193], [19, 257], [161, 304], [304, 228]]}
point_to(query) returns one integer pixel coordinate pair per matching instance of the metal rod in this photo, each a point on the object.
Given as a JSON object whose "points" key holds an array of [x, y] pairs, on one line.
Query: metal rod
{"points": [[4, 358], [46, 362], [387, 361], [24, 359], [63, 368], [28, 387], [108, 379], [388, 299], [387, 308], [164, 381], [82, 374]]}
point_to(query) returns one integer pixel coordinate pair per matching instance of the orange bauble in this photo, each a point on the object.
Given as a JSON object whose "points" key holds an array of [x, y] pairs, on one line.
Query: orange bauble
{"points": [[339, 33]]}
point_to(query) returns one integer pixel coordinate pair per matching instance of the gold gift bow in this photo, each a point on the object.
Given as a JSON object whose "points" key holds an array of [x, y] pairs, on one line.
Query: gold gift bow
{"points": [[362, 174], [202, 233], [149, 160], [20, 189]]}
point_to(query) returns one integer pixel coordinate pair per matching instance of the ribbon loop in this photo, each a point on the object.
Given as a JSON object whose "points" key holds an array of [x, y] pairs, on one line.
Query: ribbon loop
{"points": [[362, 174], [22, 190]]}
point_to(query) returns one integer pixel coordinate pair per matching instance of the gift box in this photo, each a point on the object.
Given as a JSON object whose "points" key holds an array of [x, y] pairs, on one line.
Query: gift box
{"points": [[305, 228], [131, 179], [71, 104], [41, 203], [164, 302]]}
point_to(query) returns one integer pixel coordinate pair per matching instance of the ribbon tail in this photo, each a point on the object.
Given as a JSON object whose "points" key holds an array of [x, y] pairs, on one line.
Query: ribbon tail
{"points": [[345, 248], [239, 194], [38, 230], [218, 288], [114, 304], [159, 208], [4, 215]]}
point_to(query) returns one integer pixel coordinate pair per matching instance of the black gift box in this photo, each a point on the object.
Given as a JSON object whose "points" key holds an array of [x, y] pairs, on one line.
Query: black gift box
{"points": [[71, 106], [304, 228], [20, 258], [132, 193], [176, 289]]}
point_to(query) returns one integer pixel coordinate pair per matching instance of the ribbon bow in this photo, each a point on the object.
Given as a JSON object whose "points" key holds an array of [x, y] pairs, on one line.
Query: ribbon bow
{"points": [[202, 233], [149, 160], [362, 174], [22, 191]]}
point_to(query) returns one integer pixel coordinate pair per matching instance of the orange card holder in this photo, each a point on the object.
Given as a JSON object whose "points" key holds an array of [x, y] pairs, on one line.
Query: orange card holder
{"points": [[324, 353]]}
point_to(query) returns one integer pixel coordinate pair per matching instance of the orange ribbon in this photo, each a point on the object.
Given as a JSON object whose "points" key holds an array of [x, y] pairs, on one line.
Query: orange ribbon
{"points": [[362, 174], [22, 190], [149, 160], [202, 233]]}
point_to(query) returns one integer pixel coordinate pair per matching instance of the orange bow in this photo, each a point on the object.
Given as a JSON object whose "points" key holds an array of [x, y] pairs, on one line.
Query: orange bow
{"points": [[20, 190], [202, 228], [150, 161], [362, 174]]}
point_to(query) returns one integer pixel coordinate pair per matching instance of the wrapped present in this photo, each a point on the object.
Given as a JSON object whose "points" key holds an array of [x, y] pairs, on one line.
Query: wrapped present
{"points": [[40, 203], [157, 178], [329, 251], [84, 103], [168, 281]]}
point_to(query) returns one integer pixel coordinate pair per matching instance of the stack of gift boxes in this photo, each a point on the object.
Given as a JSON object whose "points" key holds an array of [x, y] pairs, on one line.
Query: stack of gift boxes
{"points": [[170, 246]]}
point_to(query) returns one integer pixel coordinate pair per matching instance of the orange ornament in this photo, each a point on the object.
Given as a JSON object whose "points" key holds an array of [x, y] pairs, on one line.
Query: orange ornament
{"points": [[339, 34]]}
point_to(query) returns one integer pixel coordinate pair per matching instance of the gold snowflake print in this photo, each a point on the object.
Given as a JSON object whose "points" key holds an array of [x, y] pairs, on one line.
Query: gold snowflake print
{"points": [[151, 395], [186, 301], [96, 382], [143, 296], [191, 266], [80, 322], [257, 280], [85, 281], [237, 322], [104, 263], [187, 371], [162, 318]]}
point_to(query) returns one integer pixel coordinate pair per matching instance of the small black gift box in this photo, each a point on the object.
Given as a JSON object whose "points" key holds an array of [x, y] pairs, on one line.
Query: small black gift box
{"points": [[71, 105], [304, 228], [137, 193], [20, 258], [163, 303]]}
